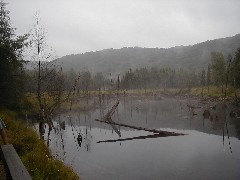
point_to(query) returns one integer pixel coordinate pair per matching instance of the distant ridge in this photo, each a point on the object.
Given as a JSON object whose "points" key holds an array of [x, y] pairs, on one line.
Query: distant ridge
{"points": [[116, 61]]}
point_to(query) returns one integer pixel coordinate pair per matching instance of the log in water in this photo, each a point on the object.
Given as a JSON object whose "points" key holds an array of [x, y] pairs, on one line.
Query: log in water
{"points": [[164, 133]]}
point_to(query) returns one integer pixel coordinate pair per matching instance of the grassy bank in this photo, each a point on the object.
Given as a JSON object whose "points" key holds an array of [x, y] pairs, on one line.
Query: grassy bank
{"points": [[33, 151], [215, 91], [211, 91]]}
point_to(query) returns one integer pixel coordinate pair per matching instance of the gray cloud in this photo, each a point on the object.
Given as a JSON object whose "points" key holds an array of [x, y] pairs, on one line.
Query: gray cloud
{"points": [[77, 26]]}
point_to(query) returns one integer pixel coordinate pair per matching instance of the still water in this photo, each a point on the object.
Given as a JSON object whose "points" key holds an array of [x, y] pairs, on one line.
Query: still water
{"points": [[209, 150]]}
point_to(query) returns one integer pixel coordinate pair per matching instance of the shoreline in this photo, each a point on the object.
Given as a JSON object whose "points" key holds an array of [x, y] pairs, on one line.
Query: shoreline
{"points": [[33, 151]]}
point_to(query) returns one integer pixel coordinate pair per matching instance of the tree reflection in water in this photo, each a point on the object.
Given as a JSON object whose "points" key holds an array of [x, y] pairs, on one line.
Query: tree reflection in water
{"points": [[217, 114]]}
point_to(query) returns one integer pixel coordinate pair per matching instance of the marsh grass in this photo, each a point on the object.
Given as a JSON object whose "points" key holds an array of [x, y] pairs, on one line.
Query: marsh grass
{"points": [[214, 91], [33, 151], [135, 92]]}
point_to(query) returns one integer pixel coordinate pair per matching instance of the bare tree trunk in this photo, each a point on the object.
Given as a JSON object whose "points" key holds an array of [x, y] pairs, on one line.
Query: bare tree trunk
{"points": [[39, 89], [229, 63]]}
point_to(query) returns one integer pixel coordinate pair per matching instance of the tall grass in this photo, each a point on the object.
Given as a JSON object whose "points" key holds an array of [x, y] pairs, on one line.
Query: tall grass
{"points": [[214, 91], [33, 151]]}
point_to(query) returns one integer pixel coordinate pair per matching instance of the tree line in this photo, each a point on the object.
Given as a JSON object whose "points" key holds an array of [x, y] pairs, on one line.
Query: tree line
{"points": [[225, 71], [48, 78], [221, 72]]}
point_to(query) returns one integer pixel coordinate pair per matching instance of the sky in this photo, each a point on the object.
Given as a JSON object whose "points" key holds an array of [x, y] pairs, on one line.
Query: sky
{"points": [[78, 26]]}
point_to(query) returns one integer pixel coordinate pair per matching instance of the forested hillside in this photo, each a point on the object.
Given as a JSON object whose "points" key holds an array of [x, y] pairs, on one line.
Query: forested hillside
{"points": [[116, 61]]}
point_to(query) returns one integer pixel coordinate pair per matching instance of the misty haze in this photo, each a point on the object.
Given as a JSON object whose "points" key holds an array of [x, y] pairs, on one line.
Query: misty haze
{"points": [[108, 89]]}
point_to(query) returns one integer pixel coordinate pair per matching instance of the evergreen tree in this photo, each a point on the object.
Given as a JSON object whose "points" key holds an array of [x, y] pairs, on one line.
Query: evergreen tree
{"points": [[236, 68], [11, 63], [208, 77], [218, 68], [203, 78], [229, 59]]}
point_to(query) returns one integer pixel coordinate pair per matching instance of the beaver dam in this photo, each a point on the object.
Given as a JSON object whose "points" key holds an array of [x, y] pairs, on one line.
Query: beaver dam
{"points": [[190, 139]]}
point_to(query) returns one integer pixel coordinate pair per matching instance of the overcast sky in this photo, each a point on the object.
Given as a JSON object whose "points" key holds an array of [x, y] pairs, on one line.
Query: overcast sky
{"points": [[78, 26]]}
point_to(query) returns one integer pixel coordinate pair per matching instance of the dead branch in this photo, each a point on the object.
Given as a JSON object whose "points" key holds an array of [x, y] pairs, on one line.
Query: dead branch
{"points": [[107, 117], [166, 133]]}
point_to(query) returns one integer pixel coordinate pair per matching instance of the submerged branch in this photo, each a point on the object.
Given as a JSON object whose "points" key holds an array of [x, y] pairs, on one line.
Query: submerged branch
{"points": [[111, 112], [164, 133], [108, 118]]}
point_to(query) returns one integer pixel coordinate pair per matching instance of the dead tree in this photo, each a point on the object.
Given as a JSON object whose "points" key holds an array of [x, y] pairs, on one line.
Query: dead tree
{"points": [[49, 76], [107, 119]]}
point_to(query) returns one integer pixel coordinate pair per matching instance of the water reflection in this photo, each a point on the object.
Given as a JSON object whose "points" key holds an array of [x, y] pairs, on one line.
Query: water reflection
{"points": [[217, 114], [150, 113], [134, 138], [83, 143]]}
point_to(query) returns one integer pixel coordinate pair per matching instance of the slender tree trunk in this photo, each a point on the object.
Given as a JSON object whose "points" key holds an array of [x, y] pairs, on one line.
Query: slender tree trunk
{"points": [[227, 78], [39, 88]]}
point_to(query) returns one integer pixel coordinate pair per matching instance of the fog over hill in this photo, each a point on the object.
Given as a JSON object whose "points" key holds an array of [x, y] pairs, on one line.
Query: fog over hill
{"points": [[116, 61]]}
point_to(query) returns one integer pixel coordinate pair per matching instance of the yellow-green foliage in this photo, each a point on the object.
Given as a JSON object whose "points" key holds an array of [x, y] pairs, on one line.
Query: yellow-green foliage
{"points": [[33, 151], [133, 91], [214, 91], [29, 104]]}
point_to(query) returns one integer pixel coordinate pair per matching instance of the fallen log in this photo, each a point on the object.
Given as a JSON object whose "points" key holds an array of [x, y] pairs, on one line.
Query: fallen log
{"points": [[166, 133], [108, 118]]}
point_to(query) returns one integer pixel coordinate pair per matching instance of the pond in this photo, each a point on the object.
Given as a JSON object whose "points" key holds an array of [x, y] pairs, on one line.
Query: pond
{"points": [[209, 149]]}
